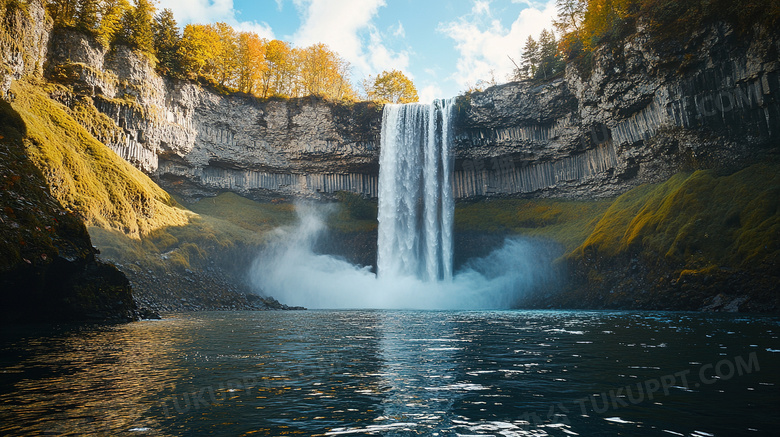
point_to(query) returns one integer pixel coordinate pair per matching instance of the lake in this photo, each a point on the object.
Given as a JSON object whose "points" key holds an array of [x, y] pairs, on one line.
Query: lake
{"points": [[438, 373]]}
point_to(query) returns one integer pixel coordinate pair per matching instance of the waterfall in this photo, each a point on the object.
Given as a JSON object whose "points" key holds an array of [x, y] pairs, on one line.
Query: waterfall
{"points": [[416, 204]]}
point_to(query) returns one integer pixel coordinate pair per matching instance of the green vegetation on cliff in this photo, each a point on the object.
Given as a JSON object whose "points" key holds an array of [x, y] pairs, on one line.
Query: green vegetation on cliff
{"points": [[697, 220], [672, 245], [85, 175], [163, 246], [568, 222], [48, 270]]}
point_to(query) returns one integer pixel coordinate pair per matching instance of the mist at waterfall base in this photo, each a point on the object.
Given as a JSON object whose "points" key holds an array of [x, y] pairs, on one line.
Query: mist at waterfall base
{"points": [[290, 271], [415, 235]]}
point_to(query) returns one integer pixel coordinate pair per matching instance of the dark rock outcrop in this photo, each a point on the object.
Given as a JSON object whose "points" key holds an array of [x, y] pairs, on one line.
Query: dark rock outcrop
{"points": [[48, 270]]}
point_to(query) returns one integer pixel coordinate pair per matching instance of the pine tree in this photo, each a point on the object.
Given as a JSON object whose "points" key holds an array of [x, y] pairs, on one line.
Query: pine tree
{"points": [[570, 15], [166, 43], [63, 12], [549, 64], [110, 27], [530, 58], [137, 27], [87, 15]]}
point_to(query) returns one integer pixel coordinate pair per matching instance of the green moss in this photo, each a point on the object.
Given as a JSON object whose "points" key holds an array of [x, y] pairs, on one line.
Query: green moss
{"points": [[568, 222], [98, 124], [87, 177], [355, 214], [245, 213], [697, 220]]}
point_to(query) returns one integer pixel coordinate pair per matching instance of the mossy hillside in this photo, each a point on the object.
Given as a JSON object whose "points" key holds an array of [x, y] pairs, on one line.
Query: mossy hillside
{"points": [[244, 213], [87, 177], [568, 222], [355, 214], [47, 266], [697, 220]]}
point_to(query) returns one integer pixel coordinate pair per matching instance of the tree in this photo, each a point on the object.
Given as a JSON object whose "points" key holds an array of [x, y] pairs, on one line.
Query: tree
{"points": [[225, 62], [137, 27], [87, 15], [549, 62], [279, 69], [570, 15], [63, 12], [391, 87], [198, 46], [530, 58], [324, 73], [111, 12], [166, 43], [251, 62]]}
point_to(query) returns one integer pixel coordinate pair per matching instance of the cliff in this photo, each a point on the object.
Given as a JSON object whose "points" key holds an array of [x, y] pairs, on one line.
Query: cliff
{"points": [[197, 141], [48, 269], [647, 111]]}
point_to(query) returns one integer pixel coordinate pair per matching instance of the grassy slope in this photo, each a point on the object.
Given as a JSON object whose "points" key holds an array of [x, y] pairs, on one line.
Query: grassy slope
{"points": [[87, 177], [134, 222], [697, 220], [568, 222]]}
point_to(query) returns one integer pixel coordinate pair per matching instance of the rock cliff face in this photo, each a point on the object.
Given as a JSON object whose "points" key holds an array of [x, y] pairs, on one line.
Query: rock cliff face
{"points": [[646, 111], [197, 142]]}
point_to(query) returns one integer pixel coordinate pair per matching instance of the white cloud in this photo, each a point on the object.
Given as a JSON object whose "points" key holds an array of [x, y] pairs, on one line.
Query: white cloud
{"points": [[481, 7], [428, 93], [399, 31], [347, 27], [212, 11], [485, 46]]}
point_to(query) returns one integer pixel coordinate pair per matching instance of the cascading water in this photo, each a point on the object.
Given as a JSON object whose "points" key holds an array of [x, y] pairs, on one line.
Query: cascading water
{"points": [[416, 204], [415, 249]]}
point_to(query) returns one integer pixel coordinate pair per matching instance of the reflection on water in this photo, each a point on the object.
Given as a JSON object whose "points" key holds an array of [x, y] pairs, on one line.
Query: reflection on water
{"points": [[509, 373]]}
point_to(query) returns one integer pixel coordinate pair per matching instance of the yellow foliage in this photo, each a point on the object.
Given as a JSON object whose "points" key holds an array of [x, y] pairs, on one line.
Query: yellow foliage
{"points": [[697, 219], [85, 175]]}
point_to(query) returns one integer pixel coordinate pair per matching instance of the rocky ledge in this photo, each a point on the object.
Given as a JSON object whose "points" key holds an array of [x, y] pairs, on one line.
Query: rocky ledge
{"points": [[644, 112], [48, 269]]}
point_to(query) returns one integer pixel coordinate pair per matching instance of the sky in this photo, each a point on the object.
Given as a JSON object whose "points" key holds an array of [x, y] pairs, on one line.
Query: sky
{"points": [[444, 46]]}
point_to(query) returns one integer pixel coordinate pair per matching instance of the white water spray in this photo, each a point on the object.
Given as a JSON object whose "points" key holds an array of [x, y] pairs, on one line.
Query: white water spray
{"points": [[415, 193], [415, 236]]}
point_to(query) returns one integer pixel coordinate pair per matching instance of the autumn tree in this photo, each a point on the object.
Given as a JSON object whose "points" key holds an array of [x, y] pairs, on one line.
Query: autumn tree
{"points": [[87, 17], [324, 73], [111, 13], [391, 87], [166, 42], [224, 65], [63, 12], [251, 64], [137, 27], [198, 46], [279, 69]]}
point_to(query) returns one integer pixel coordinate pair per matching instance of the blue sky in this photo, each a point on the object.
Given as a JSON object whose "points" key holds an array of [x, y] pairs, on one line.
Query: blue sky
{"points": [[444, 46]]}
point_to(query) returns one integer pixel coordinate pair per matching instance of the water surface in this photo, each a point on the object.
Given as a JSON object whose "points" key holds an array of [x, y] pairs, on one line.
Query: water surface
{"points": [[504, 373]]}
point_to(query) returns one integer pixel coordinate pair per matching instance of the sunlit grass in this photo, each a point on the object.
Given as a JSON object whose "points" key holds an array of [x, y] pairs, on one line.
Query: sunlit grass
{"points": [[568, 222], [87, 177], [698, 219]]}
